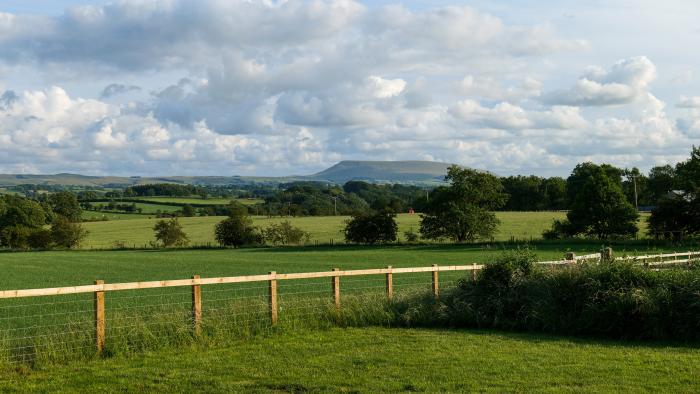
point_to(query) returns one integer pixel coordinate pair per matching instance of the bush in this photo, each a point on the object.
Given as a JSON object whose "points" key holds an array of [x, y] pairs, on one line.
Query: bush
{"points": [[237, 231], [617, 300], [411, 236], [371, 228], [15, 237], [285, 234], [40, 239], [169, 233], [66, 234]]}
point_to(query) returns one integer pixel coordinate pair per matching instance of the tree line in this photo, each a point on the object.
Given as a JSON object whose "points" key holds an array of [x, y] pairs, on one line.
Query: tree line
{"points": [[50, 221]]}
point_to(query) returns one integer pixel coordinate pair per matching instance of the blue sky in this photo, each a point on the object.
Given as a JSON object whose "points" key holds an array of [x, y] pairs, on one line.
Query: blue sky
{"points": [[151, 87]]}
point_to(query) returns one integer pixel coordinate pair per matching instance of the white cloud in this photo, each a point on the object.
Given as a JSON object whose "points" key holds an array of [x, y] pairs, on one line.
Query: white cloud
{"points": [[626, 80], [275, 87], [689, 102]]}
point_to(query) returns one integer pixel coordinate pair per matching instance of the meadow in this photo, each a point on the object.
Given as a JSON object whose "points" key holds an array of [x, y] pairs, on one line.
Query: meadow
{"points": [[138, 231], [199, 200]]}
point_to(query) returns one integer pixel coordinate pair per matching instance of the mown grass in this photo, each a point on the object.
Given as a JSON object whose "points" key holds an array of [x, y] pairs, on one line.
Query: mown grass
{"points": [[382, 360]]}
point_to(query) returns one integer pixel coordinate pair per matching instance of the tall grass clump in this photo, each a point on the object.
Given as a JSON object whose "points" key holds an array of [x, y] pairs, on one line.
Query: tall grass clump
{"points": [[614, 300]]}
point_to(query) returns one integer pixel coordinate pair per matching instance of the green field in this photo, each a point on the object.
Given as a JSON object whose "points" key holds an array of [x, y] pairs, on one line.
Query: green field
{"points": [[383, 360], [323, 229], [197, 200], [152, 325]]}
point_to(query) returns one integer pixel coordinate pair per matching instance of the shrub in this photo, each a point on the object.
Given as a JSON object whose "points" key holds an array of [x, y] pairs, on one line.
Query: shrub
{"points": [[40, 239], [15, 237], [169, 233], [617, 300], [371, 228], [411, 236], [66, 234], [237, 230], [285, 234]]}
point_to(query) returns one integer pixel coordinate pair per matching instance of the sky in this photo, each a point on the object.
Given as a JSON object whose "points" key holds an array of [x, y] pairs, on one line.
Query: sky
{"points": [[274, 87]]}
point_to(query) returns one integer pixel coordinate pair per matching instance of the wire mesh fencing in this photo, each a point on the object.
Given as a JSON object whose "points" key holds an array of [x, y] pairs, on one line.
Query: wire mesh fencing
{"points": [[57, 324]]}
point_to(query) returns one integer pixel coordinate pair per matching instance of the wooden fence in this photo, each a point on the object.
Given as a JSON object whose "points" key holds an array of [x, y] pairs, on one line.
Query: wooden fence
{"points": [[100, 289]]}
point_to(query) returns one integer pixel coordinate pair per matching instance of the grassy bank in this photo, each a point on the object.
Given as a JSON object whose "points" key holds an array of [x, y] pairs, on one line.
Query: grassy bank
{"points": [[383, 360]]}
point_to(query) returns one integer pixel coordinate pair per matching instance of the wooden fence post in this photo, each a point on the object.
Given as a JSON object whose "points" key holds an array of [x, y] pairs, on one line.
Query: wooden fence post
{"points": [[436, 281], [389, 284], [273, 297], [197, 307], [335, 282], [474, 273], [100, 318]]}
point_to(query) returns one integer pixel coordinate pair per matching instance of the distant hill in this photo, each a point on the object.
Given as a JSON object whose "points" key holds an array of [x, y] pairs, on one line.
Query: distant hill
{"points": [[409, 172], [384, 172]]}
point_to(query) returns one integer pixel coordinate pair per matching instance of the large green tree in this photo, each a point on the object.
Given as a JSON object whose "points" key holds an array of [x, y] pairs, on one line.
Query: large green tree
{"points": [[463, 210], [599, 208], [371, 228], [237, 230], [66, 204]]}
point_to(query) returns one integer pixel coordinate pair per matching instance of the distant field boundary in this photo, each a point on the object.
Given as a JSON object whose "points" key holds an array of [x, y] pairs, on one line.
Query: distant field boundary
{"points": [[99, 288], [155, 202]]}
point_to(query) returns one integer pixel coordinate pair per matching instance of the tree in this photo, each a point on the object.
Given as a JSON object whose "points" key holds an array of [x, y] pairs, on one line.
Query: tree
{"points": [[599, 208], [672, 218], [371, 228], [660, 181], [576, 181], [169, 233], [237, 230], [19, 217], [462, 211], [188, 211], [688, 172], [285, 234], [66, 234], [66, 204]]}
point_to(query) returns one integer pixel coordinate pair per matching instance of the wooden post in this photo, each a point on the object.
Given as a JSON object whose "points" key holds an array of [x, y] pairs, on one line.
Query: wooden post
{"points": [[436, 281], [606, 255], [100, 319], [273, 297], [335, 282], [197, 307], [474, 274], [389, 284]]}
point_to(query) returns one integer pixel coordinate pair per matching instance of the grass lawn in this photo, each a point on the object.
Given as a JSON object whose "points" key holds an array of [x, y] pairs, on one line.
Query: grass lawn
{"points": [[382, 360]]}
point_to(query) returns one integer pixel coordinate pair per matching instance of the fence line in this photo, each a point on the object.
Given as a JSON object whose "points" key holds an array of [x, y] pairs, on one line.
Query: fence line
{"points": [[262, 294]]}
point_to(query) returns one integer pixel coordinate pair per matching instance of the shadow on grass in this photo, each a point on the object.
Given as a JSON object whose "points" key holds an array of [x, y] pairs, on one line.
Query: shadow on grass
{"points": [[536, 337]]}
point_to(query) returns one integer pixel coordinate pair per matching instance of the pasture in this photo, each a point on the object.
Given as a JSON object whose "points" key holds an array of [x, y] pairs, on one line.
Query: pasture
{"points": [[138, 231], [199, 200]]}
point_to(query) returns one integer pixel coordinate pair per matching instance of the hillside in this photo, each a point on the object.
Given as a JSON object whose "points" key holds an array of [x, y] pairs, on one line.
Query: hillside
{"points": [[411, 172], [384, 172]]}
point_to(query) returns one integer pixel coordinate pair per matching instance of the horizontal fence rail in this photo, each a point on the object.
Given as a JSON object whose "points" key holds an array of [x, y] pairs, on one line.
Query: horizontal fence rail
{"points": [[107, 287], [93, 316]]}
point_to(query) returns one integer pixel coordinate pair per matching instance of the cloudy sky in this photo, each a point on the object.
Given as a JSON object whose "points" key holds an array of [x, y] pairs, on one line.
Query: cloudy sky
{"points": [[274, 87]]}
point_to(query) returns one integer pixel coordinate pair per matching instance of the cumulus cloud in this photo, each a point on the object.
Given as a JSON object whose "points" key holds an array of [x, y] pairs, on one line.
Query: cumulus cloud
{"points": [[273, 87], [511, 117], [688, 102], [624, 82]]}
